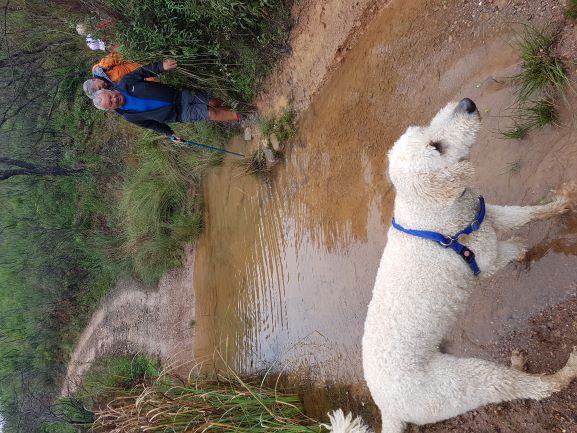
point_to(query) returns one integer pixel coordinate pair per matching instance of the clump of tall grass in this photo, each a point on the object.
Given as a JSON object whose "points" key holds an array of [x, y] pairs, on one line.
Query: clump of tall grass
{"points": [[535, 116], [255, 163], [282, 127], [199, 404], [160, 208], [542, 80], [571, 10], [541, 70]]}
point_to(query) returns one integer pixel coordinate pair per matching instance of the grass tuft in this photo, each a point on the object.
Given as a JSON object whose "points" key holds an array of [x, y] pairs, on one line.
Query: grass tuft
{"points": [[160, 209], [283, 127], [535, 116], [132, 396], [541, 70], [571, 10], [255, 163]]}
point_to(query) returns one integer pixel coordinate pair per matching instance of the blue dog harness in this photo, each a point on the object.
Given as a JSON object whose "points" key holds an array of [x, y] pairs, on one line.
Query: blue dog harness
{"points": [[453, 241]]}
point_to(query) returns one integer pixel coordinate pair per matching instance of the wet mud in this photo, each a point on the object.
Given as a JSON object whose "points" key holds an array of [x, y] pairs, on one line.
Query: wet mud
{"points": [[286, 264]]}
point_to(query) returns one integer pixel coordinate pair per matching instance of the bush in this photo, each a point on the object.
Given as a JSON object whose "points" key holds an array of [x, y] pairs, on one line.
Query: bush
{"points": [[222, 45], [160, 209]]}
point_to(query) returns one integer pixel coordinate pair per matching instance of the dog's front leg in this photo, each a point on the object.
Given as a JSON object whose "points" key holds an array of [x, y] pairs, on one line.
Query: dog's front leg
{"points": [[507, 251], [506, 218]]}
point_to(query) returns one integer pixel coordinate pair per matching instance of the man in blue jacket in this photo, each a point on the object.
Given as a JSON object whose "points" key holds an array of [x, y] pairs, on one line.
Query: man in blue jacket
{"points": [[152, 105]]}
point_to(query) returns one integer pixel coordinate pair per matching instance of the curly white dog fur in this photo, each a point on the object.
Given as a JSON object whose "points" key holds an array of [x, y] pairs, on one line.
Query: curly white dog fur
{"points": [[421, 287]]}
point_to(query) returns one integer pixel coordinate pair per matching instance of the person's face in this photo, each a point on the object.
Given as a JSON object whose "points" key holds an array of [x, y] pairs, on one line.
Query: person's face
{"points": [[98, 84], [111, 99]]}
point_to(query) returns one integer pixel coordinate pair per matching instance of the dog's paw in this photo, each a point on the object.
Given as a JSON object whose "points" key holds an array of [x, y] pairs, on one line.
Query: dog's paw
{"points": [[518, 360], [565, 198], [572, 361], [520, 247]]}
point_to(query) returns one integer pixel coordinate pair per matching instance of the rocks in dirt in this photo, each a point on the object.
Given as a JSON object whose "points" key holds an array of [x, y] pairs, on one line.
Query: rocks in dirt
{"points": [[274, 142], [247, 134], [269, 155]]}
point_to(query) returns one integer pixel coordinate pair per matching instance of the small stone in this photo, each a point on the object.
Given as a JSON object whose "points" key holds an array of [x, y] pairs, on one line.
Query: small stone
{"points": [[274, 142], [269, 156], [247, 134]]}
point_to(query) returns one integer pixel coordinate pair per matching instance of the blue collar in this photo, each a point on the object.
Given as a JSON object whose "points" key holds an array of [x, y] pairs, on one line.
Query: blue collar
{"points": [[453, 241]]}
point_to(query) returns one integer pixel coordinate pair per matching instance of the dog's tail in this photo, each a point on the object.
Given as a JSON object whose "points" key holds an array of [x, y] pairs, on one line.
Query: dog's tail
{"points": [[339, 423]]}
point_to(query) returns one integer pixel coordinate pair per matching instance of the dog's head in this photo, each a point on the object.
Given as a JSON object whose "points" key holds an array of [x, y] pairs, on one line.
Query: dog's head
{"points": [[432, 162]]}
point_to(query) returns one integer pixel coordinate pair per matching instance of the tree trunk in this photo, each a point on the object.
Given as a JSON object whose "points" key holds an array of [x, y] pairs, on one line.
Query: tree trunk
{"points": [[27, 168]]}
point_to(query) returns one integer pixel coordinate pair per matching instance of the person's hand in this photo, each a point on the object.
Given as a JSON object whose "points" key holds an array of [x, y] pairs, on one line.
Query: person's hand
{"points": [[169, 64], [176, 139]]}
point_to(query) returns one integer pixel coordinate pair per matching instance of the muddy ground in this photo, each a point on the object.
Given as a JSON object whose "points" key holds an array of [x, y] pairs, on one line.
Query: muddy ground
{"points": [[283, 272]]}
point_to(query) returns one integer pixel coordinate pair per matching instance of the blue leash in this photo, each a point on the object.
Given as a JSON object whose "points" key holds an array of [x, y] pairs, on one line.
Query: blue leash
{"points": [[453, 241], [206, 146]]}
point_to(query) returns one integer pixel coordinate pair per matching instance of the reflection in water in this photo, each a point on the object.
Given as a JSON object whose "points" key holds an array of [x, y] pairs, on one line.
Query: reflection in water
{"points": [[291, 276]]}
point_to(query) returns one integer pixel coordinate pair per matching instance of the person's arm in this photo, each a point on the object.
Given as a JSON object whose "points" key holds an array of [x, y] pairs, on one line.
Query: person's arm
{"points": [[151, 70]]}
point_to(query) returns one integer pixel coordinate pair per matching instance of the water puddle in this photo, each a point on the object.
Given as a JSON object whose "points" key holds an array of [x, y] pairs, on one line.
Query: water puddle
{"points": [[285, 266]]}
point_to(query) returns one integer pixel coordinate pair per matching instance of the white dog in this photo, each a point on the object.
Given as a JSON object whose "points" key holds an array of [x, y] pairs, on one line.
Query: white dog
{"points": [[421, 286]]}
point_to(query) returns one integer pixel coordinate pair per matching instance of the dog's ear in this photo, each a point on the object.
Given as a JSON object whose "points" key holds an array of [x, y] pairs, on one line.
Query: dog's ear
{"points": [[447, 184]]}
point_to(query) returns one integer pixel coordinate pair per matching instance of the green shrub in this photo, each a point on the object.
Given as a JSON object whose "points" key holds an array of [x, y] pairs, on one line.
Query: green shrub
{"points": [[542, 81], [160, 209], [541, 70], [571, 10], [536, 115], [220, 45]]}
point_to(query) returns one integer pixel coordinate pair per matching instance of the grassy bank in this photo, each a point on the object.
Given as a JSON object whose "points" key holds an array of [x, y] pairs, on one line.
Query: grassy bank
{"points": [[132, 395]]}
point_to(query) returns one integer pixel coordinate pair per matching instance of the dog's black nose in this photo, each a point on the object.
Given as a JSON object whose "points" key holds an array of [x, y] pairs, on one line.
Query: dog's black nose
{"points": [[466, 106]]}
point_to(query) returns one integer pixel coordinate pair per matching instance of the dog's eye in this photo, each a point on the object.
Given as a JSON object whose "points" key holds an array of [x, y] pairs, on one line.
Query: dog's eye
{"points": [[437, 146]]}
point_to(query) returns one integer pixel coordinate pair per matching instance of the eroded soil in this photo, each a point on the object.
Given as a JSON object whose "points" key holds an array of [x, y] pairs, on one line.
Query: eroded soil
{"points": [[284, 270]]}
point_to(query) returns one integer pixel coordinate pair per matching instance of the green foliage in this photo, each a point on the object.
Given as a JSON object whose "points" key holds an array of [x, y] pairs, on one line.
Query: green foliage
{"points": [[535, 116], [160, 206], [220, 45], [255, 163], [117, 372], [541, 70], [571, 10], [282, 127], [542, 81], [200, 404]]}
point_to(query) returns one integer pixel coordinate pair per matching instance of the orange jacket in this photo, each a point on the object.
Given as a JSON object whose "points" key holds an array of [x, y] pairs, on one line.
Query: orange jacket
{"points": [[115, 69]]}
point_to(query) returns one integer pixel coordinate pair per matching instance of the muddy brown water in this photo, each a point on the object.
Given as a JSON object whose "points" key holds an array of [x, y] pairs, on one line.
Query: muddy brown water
{"points": [[285, 266]]}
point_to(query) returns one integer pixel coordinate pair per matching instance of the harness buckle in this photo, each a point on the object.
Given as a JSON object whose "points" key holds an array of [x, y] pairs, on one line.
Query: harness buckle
{"points": [[451, 240], [475, 225]]}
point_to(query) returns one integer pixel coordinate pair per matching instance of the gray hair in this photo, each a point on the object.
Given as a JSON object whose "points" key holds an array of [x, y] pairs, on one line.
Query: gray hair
{"points": [[88, 88], [97, 99]]}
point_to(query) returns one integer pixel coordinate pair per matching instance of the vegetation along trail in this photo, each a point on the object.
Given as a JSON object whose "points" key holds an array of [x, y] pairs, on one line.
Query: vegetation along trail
{"points": [[284, 268]]}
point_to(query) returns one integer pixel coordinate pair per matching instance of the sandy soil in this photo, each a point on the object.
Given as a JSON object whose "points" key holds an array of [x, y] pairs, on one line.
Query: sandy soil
{"points": [[132, 319], [323, 32]]}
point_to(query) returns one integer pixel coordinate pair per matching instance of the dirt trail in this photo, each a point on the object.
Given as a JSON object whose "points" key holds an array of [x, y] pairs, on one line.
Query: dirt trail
{"points": [[135, 319], [324, 31]]}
